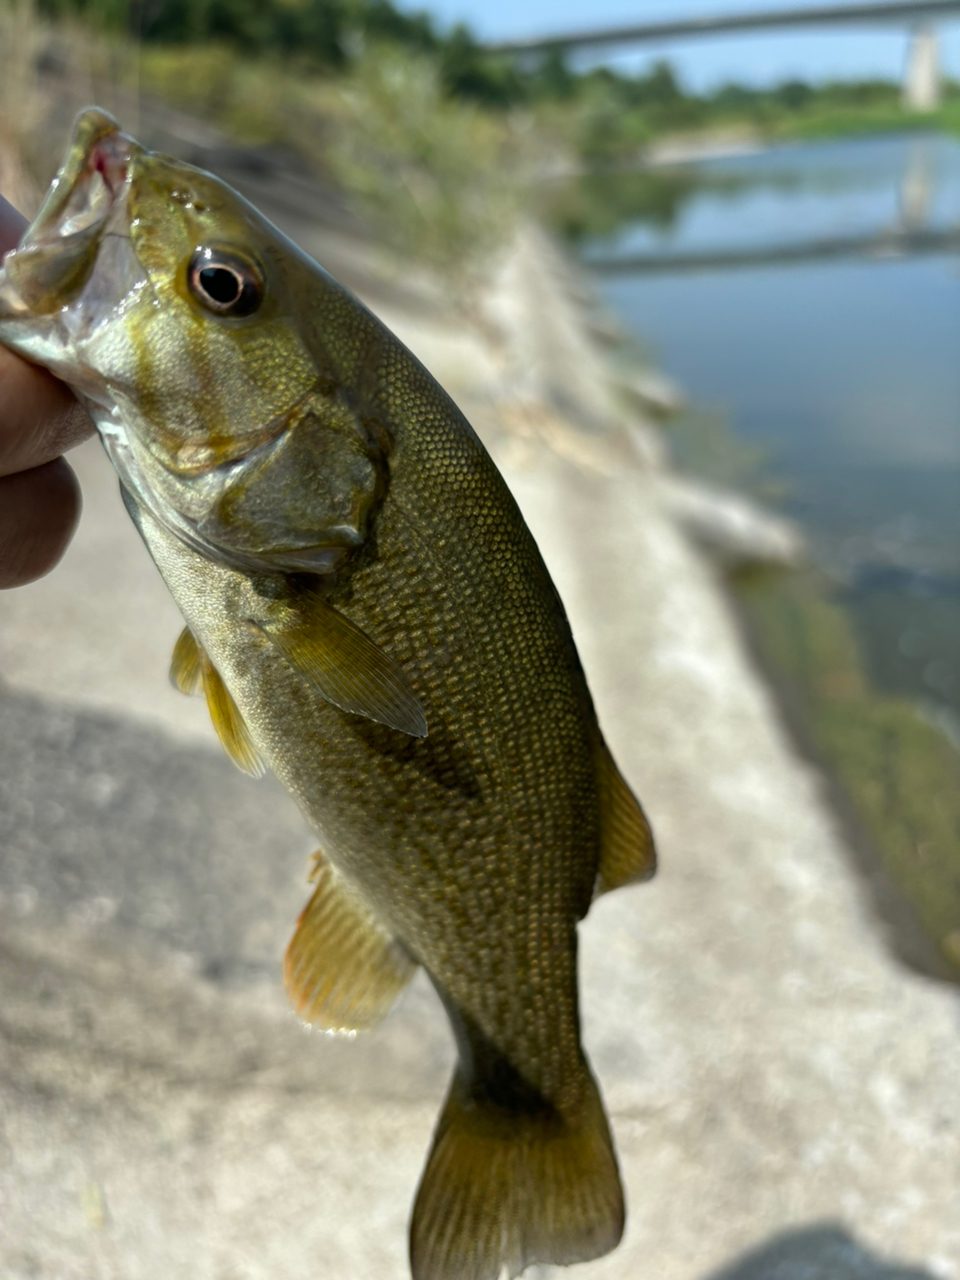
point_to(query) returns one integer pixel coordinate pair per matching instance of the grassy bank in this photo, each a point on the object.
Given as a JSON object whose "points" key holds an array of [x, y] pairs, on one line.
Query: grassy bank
{"points": [[437, 177], [280, 71], [900, 774], [843, 122]]}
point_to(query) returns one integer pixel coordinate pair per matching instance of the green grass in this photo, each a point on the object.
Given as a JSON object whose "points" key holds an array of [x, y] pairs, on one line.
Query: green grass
{"points": [[438, 178], [901, 774], [839, 122], [606, 138]]}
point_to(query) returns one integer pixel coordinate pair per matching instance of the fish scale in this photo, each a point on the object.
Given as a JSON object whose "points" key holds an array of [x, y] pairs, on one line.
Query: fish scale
{"points": [[368, 616]]}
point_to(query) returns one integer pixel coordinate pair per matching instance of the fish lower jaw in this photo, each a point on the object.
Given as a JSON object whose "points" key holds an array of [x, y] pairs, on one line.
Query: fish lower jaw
{"points": [[12, 307]]}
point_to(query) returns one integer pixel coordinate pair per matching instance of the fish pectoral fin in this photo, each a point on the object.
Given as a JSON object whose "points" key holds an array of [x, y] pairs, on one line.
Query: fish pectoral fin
{"points": [[627, 851], [191, 670], [343, 971], [186, 670], [346, 668], [506, 1188]]}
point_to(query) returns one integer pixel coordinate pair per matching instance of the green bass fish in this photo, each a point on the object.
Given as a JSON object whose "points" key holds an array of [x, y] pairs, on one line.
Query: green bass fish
{"points": [[369, 617]]}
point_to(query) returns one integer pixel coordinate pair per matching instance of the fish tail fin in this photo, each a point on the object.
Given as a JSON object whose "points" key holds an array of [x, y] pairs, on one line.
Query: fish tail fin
{"points": [[504, 1188]]}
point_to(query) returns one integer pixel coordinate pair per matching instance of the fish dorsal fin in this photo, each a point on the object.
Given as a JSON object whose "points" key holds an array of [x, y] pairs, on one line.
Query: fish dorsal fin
{"points": [[342, 970], [627, 851], [345, 666], [190, 668]]}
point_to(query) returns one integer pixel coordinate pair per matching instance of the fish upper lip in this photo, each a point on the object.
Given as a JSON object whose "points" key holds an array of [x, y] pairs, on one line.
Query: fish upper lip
{"points": [[110, 157], [86, 202], [86, 195]]}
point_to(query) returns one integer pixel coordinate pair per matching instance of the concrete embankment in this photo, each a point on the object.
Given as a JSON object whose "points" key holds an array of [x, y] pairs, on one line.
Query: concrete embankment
{"points": [[783, 1094]]}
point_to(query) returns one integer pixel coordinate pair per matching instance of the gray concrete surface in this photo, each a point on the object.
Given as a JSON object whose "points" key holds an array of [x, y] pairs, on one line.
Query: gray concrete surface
{"points": [[783, 1093]]}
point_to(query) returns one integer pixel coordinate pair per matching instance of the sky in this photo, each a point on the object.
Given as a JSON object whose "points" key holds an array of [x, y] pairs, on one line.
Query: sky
{"points": [[804, 53]]}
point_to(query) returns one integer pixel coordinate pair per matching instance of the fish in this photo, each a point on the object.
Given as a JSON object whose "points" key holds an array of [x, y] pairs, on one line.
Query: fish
{"points": [[369, 618]]}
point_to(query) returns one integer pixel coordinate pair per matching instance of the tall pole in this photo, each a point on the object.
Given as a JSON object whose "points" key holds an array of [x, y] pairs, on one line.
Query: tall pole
{"points": [[921, 81]]}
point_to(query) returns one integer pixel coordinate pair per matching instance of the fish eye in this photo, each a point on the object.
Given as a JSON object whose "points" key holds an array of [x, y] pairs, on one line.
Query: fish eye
{"points": [[224, 282]]}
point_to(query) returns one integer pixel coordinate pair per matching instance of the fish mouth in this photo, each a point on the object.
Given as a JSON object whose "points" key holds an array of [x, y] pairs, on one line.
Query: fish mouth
{"points": [[87, 200]]}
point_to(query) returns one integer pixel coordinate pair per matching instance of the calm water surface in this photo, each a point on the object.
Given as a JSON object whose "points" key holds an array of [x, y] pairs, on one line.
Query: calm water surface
{"points": [[846, 371]]}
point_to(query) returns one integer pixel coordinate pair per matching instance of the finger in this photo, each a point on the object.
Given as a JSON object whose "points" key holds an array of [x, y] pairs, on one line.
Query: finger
{"points": [[12, 225], [39, 510], [39, 416]]}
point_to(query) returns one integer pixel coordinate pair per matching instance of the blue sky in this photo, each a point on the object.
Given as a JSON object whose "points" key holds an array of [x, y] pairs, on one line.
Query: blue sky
{"points": [[758, 59]]}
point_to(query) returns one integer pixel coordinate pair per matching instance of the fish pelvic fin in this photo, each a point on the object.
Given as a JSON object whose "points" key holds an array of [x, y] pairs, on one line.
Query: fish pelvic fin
{"points": [[191, 670], [343, 971], [186, 669], [346, 667], [627, 851], [503, 1188]]}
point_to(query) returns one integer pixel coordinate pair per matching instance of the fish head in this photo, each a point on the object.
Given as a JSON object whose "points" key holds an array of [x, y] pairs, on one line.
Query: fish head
{"points": [[181, 317]]}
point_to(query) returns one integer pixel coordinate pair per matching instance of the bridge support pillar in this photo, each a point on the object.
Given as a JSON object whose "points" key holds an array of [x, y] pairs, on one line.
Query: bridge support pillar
{"points": [[921, 81]]}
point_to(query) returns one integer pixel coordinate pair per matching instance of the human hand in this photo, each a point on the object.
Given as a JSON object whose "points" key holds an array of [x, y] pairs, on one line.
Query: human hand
{"points": [[39, 420]]}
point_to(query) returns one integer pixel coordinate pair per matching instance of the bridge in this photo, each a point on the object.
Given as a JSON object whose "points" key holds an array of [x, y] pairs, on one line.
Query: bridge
{"points": [[893, 244], [921, 78], [914, 233]]}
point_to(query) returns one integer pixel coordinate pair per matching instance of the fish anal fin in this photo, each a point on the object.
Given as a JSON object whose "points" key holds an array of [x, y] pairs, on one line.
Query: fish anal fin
{"points": [[186, 667], [627, 851], [508, 1189], [343, 971], [345, 666]]}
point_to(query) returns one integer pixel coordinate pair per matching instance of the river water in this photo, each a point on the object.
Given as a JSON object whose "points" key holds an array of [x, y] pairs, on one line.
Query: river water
{"points": [[843, 367]]}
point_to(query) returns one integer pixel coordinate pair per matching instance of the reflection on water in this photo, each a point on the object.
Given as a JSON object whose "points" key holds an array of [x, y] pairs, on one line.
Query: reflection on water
{"points": [[847, 372]]}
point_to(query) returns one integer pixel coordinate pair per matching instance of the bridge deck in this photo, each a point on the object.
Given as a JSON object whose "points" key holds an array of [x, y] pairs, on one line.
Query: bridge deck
{"points": [[881, 12]]}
